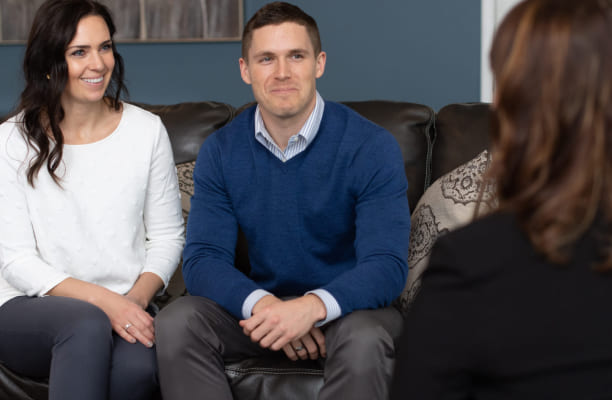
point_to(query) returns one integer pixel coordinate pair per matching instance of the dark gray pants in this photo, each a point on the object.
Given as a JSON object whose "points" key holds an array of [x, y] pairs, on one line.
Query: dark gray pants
{"points": [[72, 342], [195, 337]]}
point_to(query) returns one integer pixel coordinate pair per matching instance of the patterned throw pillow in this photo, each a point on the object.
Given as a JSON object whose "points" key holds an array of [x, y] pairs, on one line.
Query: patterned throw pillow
{"points": [[176, 286], [447, 204], [185, 178]]}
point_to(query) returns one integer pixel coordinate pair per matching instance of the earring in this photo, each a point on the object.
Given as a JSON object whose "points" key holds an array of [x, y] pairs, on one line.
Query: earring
{"points": [[48, 77]]}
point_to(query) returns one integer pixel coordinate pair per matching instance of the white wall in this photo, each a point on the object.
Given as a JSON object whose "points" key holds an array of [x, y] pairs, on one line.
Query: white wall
{"points": [[492, 12]]}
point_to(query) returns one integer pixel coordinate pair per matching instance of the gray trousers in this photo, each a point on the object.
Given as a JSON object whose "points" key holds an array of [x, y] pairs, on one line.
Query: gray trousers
{"points": [[195, 337]]}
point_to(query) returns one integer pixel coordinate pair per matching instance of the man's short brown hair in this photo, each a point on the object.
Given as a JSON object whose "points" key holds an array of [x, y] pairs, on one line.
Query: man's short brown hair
{"points": [[277, 13]]}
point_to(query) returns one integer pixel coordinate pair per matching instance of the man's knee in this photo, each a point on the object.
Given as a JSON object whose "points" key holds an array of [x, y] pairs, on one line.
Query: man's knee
{"points": [[175, 314], [361, 341], [363, 336], [184, 321]]}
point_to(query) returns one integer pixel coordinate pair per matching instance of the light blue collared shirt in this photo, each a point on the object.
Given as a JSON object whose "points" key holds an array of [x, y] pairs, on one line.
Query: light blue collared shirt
{"points": [[297, 143]]}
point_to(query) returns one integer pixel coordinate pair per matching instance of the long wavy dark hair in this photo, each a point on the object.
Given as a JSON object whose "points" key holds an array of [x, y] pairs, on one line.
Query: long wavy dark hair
{"points": [[46, 74], [552, 150]]}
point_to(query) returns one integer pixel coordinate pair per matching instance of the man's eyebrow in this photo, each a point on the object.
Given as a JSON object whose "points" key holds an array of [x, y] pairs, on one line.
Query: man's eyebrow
{"points": [[264, 54]]}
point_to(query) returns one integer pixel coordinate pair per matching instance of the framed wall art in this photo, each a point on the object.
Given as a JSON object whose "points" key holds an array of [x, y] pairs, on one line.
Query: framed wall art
{"points": [[143, 20]]}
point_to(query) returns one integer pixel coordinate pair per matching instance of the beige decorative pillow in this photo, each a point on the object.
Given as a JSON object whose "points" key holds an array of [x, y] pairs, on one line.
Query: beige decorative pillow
{"points": [[185, 178], [447, 204], [176, 286]]}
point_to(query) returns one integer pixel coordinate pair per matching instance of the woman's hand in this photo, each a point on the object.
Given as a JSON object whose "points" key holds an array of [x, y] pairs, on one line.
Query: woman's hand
{"points": [[126, 313], [128, 319]]}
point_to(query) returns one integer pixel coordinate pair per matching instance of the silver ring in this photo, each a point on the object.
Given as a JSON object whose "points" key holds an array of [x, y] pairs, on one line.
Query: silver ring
{"points": [[127, 326], [299, 348]]}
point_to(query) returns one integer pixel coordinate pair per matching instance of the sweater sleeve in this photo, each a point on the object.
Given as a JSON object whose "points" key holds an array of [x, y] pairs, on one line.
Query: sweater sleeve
{"points": [[162, 212], [212, 229], [382, 227], [20, 263]]}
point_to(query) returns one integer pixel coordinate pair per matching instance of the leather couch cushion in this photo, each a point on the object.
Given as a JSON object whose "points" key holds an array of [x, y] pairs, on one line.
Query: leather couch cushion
{"points": [[274, 378], [17, 387]]}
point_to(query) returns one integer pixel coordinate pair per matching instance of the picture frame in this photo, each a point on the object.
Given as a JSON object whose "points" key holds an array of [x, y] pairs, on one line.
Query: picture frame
{"points": [[140, 21]]}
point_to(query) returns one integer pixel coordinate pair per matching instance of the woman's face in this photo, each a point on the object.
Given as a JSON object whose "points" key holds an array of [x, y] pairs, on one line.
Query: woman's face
{"points": [[90, 61]]}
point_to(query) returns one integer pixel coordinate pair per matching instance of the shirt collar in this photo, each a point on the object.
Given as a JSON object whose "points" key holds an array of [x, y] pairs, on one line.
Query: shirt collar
{"points": [[307, 132]]}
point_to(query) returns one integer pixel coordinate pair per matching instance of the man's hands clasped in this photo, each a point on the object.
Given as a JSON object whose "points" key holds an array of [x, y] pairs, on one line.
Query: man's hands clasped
{"points": [[288, 325]]}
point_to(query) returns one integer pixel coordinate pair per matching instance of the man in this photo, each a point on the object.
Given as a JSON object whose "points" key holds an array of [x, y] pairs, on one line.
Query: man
{"points": [[320, 194]]}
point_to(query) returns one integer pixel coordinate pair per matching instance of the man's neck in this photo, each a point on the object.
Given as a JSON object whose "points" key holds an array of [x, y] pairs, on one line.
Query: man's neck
{"points": [[282, 129]]}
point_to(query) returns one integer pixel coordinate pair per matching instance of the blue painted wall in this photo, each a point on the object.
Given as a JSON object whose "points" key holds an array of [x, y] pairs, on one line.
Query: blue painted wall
{"points": [[423, 51]]}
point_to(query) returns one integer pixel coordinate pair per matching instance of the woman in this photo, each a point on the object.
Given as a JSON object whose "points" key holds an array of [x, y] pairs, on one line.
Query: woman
{"points": [[517, 304], [91, 221]]}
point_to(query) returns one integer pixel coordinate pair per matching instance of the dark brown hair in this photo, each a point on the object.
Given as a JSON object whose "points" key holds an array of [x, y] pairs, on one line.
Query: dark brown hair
{"points": [[552, 147], [277, 13], [46, 73]]}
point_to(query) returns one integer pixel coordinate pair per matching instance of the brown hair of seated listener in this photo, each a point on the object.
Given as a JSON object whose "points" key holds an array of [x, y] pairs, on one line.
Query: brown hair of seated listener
{"points": [[552, 150]]}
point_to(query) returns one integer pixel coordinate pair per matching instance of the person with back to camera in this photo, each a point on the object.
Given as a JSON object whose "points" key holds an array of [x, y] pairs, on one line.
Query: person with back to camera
{"points": [[320, 194], [517, 304], [91, 219]]}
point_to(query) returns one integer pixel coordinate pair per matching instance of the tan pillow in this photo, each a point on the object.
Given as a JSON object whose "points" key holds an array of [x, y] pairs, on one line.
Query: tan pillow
{"points": [[185, 178], [447, 204]]}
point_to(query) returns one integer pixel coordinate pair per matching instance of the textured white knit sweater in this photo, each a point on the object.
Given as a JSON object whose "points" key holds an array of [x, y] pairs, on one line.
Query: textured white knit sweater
{"points": [[116, 215]]}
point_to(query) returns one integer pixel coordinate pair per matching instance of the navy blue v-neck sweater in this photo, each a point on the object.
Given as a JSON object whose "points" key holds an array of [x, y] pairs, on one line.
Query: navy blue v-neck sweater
{"points": [[334, 217]]}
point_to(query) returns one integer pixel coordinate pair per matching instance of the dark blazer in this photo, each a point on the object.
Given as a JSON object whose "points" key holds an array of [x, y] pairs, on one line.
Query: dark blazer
{"points": [[495, 320]]}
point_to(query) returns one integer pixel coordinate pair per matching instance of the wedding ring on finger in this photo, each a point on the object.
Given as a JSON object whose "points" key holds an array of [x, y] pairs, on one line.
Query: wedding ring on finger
{"points": [[127, 326], [298, 348]]}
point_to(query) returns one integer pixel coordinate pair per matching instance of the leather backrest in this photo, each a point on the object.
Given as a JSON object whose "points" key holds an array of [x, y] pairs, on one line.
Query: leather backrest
{"points": [[411, 126], [462, 131], [189, 123]]}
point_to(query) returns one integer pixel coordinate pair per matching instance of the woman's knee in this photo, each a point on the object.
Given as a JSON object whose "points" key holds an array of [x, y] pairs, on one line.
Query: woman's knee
{"points": [[136, 368], [134, 372], [86, 322]]}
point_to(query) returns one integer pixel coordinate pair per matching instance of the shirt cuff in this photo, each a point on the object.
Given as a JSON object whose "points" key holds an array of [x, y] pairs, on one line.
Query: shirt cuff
{"points": [[251, 300], [331, 306]]}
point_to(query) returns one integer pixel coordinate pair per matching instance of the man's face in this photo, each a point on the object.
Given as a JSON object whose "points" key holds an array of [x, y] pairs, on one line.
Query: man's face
{"points": [[282, 69]]}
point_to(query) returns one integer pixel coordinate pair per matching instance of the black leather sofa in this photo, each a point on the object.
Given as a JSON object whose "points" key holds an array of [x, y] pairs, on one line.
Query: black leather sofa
{"points": [[431, 143]]}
